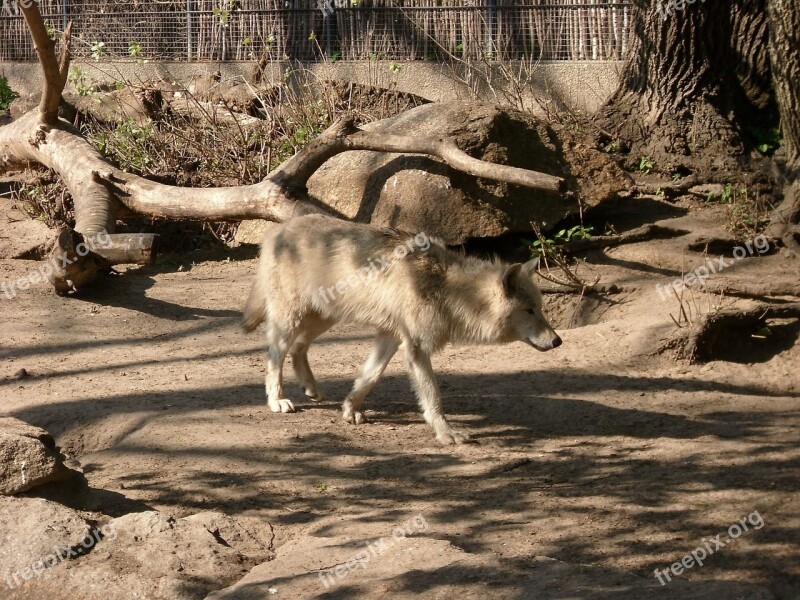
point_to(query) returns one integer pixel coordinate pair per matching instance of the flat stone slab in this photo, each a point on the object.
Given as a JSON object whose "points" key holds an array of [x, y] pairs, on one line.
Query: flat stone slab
{"points": [[155, 556], [406, 568], [35, 535]]}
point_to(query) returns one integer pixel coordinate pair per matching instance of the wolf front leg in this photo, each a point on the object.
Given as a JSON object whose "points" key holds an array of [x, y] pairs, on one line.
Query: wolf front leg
{"points": [[430, 398]]}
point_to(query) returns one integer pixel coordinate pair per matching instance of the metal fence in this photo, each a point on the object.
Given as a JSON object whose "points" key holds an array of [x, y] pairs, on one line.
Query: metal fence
{"points": [[206, 30]]}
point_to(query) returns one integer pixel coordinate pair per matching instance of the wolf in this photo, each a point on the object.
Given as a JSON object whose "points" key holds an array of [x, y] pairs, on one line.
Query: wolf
{"points": [[315, 271]]}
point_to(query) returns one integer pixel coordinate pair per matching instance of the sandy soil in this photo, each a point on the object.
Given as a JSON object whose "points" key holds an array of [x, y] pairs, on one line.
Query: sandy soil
{"points": [[598, 453]]}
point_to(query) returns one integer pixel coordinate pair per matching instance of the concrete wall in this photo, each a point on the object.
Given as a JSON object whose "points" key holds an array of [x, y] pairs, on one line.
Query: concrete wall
{"points": [[581, 86]]}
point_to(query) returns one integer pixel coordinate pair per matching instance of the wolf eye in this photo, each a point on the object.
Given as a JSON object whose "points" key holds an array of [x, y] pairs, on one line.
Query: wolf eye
{"points": [[530, 311]]}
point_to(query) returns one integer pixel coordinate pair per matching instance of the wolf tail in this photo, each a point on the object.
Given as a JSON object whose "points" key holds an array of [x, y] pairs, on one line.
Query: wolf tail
{"points": [[255, 309]]}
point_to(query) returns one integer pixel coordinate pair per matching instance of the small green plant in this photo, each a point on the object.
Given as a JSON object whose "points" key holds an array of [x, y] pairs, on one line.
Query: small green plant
{"points": [[395, 67], [7, 95], [223, 12], [78, 79], [134, 49], [129, 144], [321, 488], [335, 56], [99, 50], [540, 248], [578, 232], [645, 164], [766, 141], [727, 193], [543, 247], [610, 148]]}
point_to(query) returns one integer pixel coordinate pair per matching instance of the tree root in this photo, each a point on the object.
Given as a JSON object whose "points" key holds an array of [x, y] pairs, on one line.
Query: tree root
{"points": [[640, 234], [699, 342]]}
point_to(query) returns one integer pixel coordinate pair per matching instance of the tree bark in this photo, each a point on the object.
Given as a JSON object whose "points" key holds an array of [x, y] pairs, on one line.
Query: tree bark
{"points": [[688, 80], [784, 46]]}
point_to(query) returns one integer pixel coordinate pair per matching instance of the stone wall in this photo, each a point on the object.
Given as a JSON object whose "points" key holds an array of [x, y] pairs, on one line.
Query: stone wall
{"points": [[574, 85]]}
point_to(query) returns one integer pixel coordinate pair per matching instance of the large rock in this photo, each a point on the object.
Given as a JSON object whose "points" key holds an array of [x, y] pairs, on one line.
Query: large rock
{"points": [[125, 104], [428, 569], [154, 556], [420, 193], [28, 457], [34, 530]]}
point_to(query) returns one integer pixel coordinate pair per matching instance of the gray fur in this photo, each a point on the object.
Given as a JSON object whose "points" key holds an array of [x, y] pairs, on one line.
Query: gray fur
{"points": [[424, 300]]}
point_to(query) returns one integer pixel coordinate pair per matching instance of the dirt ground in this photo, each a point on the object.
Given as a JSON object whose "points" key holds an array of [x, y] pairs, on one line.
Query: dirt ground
{"points": [[601, 452]]}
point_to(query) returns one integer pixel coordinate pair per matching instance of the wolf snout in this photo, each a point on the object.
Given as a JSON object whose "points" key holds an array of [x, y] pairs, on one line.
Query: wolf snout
{"points": [[555, 342]]}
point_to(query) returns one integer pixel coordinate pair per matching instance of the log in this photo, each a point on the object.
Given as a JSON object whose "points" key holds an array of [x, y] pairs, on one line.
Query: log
{"points": [[76, 259]]}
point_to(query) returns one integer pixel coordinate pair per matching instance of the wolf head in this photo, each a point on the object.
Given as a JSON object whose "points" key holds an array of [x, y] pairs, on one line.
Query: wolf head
{"points": [[525, 320]]}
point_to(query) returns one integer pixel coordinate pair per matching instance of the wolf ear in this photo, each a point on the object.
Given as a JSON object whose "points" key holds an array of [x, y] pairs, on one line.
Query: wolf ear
{"points": [[530, 267], [510, 278]]}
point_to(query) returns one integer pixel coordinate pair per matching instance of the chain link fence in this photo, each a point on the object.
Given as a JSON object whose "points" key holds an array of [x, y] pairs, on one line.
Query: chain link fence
{"points": [[230, 30]]}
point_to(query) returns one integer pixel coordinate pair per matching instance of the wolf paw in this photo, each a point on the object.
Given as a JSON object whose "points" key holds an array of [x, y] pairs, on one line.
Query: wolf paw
{"points": [[354, 417], [453, 436], [282, 405], [316, 395]]}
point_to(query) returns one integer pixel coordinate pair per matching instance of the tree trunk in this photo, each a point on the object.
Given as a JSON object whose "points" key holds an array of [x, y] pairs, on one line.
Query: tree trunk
{"points": [[784, 46], [690, 76]]}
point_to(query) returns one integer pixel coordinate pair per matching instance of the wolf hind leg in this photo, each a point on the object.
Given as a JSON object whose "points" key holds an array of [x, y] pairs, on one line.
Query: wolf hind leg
{"points": [[382, 352], [278, 341], [310, 329], [424, 382]]}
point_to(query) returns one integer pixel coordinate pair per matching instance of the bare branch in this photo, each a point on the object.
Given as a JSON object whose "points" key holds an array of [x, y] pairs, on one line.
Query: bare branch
{"points": [[54, 79]]}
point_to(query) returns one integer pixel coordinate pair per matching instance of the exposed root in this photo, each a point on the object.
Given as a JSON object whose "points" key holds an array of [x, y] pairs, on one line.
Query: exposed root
{"points": [[640, 234], [699, 343]]}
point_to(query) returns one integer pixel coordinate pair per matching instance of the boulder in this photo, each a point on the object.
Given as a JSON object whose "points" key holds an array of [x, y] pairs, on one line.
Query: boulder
{"points": [[421, 193], [159, 557], [28, 457], [138, 105], [34, 530]]}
